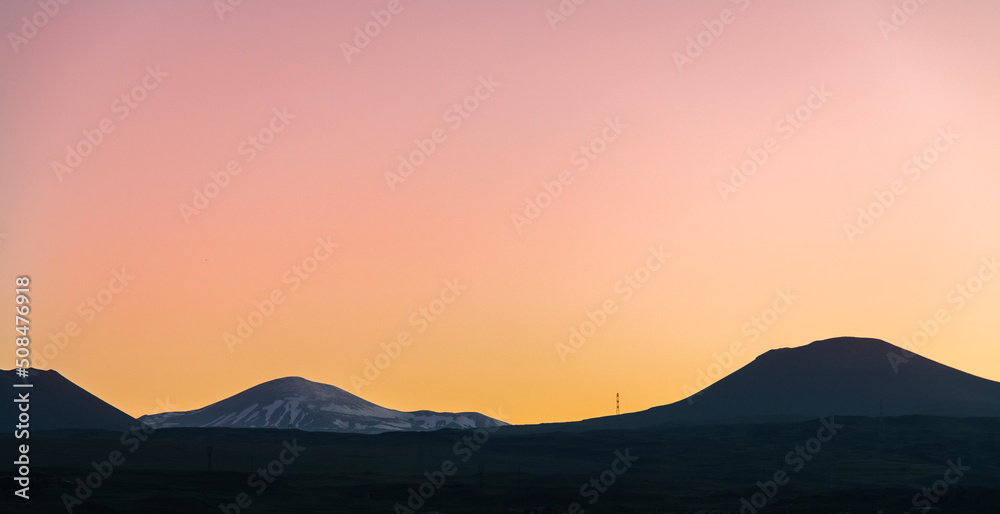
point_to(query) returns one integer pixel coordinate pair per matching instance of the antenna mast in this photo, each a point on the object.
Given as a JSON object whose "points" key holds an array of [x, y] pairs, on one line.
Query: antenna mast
{"points": [[618, 410]]}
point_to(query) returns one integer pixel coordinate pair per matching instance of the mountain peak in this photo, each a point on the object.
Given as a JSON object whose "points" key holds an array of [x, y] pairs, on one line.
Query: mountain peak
{"points": [[843, 343], [855, 376], [297, 383], [295, 402], [844, 375], [846, 351], [292, 380]]}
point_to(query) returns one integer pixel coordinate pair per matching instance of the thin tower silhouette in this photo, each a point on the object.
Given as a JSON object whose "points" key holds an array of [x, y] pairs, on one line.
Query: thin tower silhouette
{"points": [[618, 410]]}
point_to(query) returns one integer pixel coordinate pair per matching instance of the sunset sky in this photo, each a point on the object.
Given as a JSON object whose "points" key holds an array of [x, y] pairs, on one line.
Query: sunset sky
{"points": [[498, 202]]}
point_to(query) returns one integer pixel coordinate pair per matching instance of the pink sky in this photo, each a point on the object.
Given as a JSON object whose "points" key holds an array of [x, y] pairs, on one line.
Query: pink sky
{"points": [[160, 340]]}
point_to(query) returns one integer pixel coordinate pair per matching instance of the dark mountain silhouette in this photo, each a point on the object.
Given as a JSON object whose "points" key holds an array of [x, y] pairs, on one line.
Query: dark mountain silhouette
{"points": [[55, 403], [842, 376], [294, 402]]}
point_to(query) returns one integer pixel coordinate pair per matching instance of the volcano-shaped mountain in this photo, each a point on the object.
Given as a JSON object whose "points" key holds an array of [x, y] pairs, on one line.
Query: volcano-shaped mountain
{"points": [[294, 402]]}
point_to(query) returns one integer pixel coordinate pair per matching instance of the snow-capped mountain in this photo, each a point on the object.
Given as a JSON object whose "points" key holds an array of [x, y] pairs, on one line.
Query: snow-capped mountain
{"points": [[294, 402]]}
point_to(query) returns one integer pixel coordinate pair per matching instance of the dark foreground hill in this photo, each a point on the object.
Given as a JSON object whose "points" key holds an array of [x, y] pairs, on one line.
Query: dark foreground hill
{"points": [[865, 466], [56, 403]]}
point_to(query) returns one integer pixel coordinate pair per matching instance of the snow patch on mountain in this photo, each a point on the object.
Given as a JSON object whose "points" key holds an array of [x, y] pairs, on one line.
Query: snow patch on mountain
{"points": [[294, 402]]}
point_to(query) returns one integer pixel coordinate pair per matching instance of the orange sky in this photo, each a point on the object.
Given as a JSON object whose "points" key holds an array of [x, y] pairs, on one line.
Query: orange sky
{"points": [[838, 103]]}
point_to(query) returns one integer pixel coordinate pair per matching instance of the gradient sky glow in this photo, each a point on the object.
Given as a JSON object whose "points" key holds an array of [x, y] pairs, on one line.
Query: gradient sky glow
{"points": [[160, 340]]}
